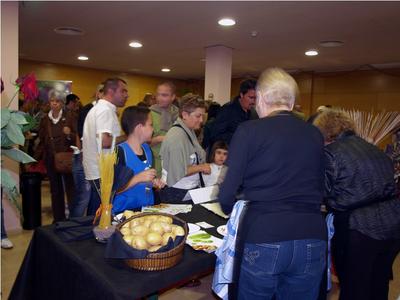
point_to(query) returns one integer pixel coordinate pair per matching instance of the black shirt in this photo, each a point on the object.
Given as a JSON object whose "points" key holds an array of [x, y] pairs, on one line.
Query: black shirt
{"points": [[226, 122], [278, 163], [82, 116]]}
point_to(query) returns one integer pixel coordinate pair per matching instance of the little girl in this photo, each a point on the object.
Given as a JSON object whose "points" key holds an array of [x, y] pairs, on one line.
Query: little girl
{"points": [[217, 158], [136, 154]]}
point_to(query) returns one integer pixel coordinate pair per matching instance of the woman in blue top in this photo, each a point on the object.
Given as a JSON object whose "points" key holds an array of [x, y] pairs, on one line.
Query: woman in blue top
{"points": [[136, 154]]}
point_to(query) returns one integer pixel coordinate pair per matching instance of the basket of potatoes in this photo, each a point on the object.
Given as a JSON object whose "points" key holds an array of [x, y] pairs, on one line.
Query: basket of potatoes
{"points": [[162, 235]]}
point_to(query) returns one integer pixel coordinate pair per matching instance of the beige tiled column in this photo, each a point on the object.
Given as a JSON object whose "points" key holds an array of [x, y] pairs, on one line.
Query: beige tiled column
{"points": [[9, 73], [218, 73]]}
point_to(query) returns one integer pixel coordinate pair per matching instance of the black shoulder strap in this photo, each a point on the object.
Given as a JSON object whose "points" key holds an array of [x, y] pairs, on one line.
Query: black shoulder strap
{"points": [[180, 126], [197, 157]]}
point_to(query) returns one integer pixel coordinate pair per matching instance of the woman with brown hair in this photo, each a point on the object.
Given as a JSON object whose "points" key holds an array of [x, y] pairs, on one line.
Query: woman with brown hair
{"points": [[183, 160], [57, 132], [360, 191]]}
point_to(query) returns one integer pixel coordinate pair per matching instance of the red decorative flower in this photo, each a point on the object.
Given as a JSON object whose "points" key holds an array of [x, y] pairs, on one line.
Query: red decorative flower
{"points": [[27, 85]]}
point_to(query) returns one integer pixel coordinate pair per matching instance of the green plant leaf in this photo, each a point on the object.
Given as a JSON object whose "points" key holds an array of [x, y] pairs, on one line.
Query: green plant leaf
{"points": [[10, 188], [18, 118], [5, 116], [14, 133], [32, 123], [5, 141], [18, 155], [8, 183]]}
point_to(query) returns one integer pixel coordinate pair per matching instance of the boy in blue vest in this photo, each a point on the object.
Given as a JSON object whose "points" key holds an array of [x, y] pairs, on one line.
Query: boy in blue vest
{"points": [[136, 154]]}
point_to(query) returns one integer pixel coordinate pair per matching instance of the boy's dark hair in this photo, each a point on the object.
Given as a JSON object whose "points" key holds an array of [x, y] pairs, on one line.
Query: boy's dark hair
{"points": [[216, 145], [112, 84], [71, 97], [132, 117], [245, 86]]}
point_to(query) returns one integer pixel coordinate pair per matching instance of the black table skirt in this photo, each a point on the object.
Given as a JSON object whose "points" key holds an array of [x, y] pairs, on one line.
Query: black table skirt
{"points": [[53, 269]]}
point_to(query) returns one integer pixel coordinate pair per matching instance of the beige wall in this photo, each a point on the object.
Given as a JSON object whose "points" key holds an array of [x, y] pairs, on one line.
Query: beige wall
{"points": [[85, 80]]}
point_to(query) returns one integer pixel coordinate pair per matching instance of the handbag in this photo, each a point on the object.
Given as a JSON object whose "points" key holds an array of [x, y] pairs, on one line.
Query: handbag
{"points": [[62, 160]]}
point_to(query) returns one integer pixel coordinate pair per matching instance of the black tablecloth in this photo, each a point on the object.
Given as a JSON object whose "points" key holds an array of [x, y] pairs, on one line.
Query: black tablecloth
{"points": [[53, 269]]}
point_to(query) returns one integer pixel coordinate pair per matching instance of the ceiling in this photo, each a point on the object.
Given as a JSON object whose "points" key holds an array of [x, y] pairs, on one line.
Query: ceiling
{"points": [[175, 35]]}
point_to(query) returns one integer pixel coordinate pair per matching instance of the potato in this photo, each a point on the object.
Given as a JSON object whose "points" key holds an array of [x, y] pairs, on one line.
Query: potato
{"points": [[128, 239], [154, 248], [166, 236], [165, 219], [179, 231], [157, 227], [125, 231], [166, 226], [139, 243], [126, 225], [152, 218], [147, 223], [139, 230], [134, 223], [154, 238], [128, 213]]}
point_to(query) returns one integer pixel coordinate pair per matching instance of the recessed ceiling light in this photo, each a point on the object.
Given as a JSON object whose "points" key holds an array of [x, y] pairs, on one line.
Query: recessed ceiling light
{"points": [[226, 22], [83, 57], [311, 52], [165, 70], [135, 44], [331, 44], [66, 30]]}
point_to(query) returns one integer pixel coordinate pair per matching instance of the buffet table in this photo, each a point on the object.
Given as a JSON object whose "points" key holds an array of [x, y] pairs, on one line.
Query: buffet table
{"points": [[53, 269]]}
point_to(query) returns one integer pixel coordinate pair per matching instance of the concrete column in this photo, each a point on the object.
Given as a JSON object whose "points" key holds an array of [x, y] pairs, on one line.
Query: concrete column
{"points": [[9, 73], [218, 73]]}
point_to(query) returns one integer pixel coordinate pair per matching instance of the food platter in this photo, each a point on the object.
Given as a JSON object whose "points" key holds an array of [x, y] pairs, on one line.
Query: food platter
{"points": [[222, 230]]}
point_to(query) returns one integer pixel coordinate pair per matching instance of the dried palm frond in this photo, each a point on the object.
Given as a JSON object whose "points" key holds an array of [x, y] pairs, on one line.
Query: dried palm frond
{"points": [[374, 127]]}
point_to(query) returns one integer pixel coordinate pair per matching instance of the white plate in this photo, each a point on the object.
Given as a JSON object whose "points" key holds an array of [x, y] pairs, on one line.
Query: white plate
{"points": [[193, 228], [222, 230]]}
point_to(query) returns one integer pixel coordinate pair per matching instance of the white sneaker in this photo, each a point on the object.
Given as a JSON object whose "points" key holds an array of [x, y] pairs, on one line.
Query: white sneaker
{"points": [[6, 244]]}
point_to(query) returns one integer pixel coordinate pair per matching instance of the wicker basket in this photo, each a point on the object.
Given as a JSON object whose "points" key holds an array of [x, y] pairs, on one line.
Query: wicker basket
{"points": [[162, 260]]}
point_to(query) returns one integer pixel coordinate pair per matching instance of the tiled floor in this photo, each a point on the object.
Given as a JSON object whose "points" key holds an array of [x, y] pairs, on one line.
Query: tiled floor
{"points": [[12, 259]]}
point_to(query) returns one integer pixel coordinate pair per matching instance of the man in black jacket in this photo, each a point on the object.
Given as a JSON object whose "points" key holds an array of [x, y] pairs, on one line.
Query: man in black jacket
{"points": [[234, 113]]}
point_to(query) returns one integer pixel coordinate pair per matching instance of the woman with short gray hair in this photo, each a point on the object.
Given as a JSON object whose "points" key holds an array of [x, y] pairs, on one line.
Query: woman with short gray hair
{"points": [[277, 161], [57, 132]]}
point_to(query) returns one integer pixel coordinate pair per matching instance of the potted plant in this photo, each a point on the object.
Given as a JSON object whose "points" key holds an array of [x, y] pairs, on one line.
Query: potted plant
{"points": [[14, 125]]}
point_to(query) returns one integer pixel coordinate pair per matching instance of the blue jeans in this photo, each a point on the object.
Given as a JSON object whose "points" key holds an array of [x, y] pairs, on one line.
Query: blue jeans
{"points": [[285, 270], [82, 188]]}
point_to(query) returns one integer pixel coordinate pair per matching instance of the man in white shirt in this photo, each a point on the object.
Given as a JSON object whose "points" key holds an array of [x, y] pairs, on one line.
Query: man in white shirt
{"points": [[101, 124]]}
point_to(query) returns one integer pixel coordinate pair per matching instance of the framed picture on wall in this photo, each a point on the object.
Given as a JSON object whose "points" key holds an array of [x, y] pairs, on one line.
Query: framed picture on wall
{"points": [[63, 87]]}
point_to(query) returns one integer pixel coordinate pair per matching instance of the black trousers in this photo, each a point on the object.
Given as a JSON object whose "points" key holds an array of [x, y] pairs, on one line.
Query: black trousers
{"points": [[57, 183], [363, 265]]}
